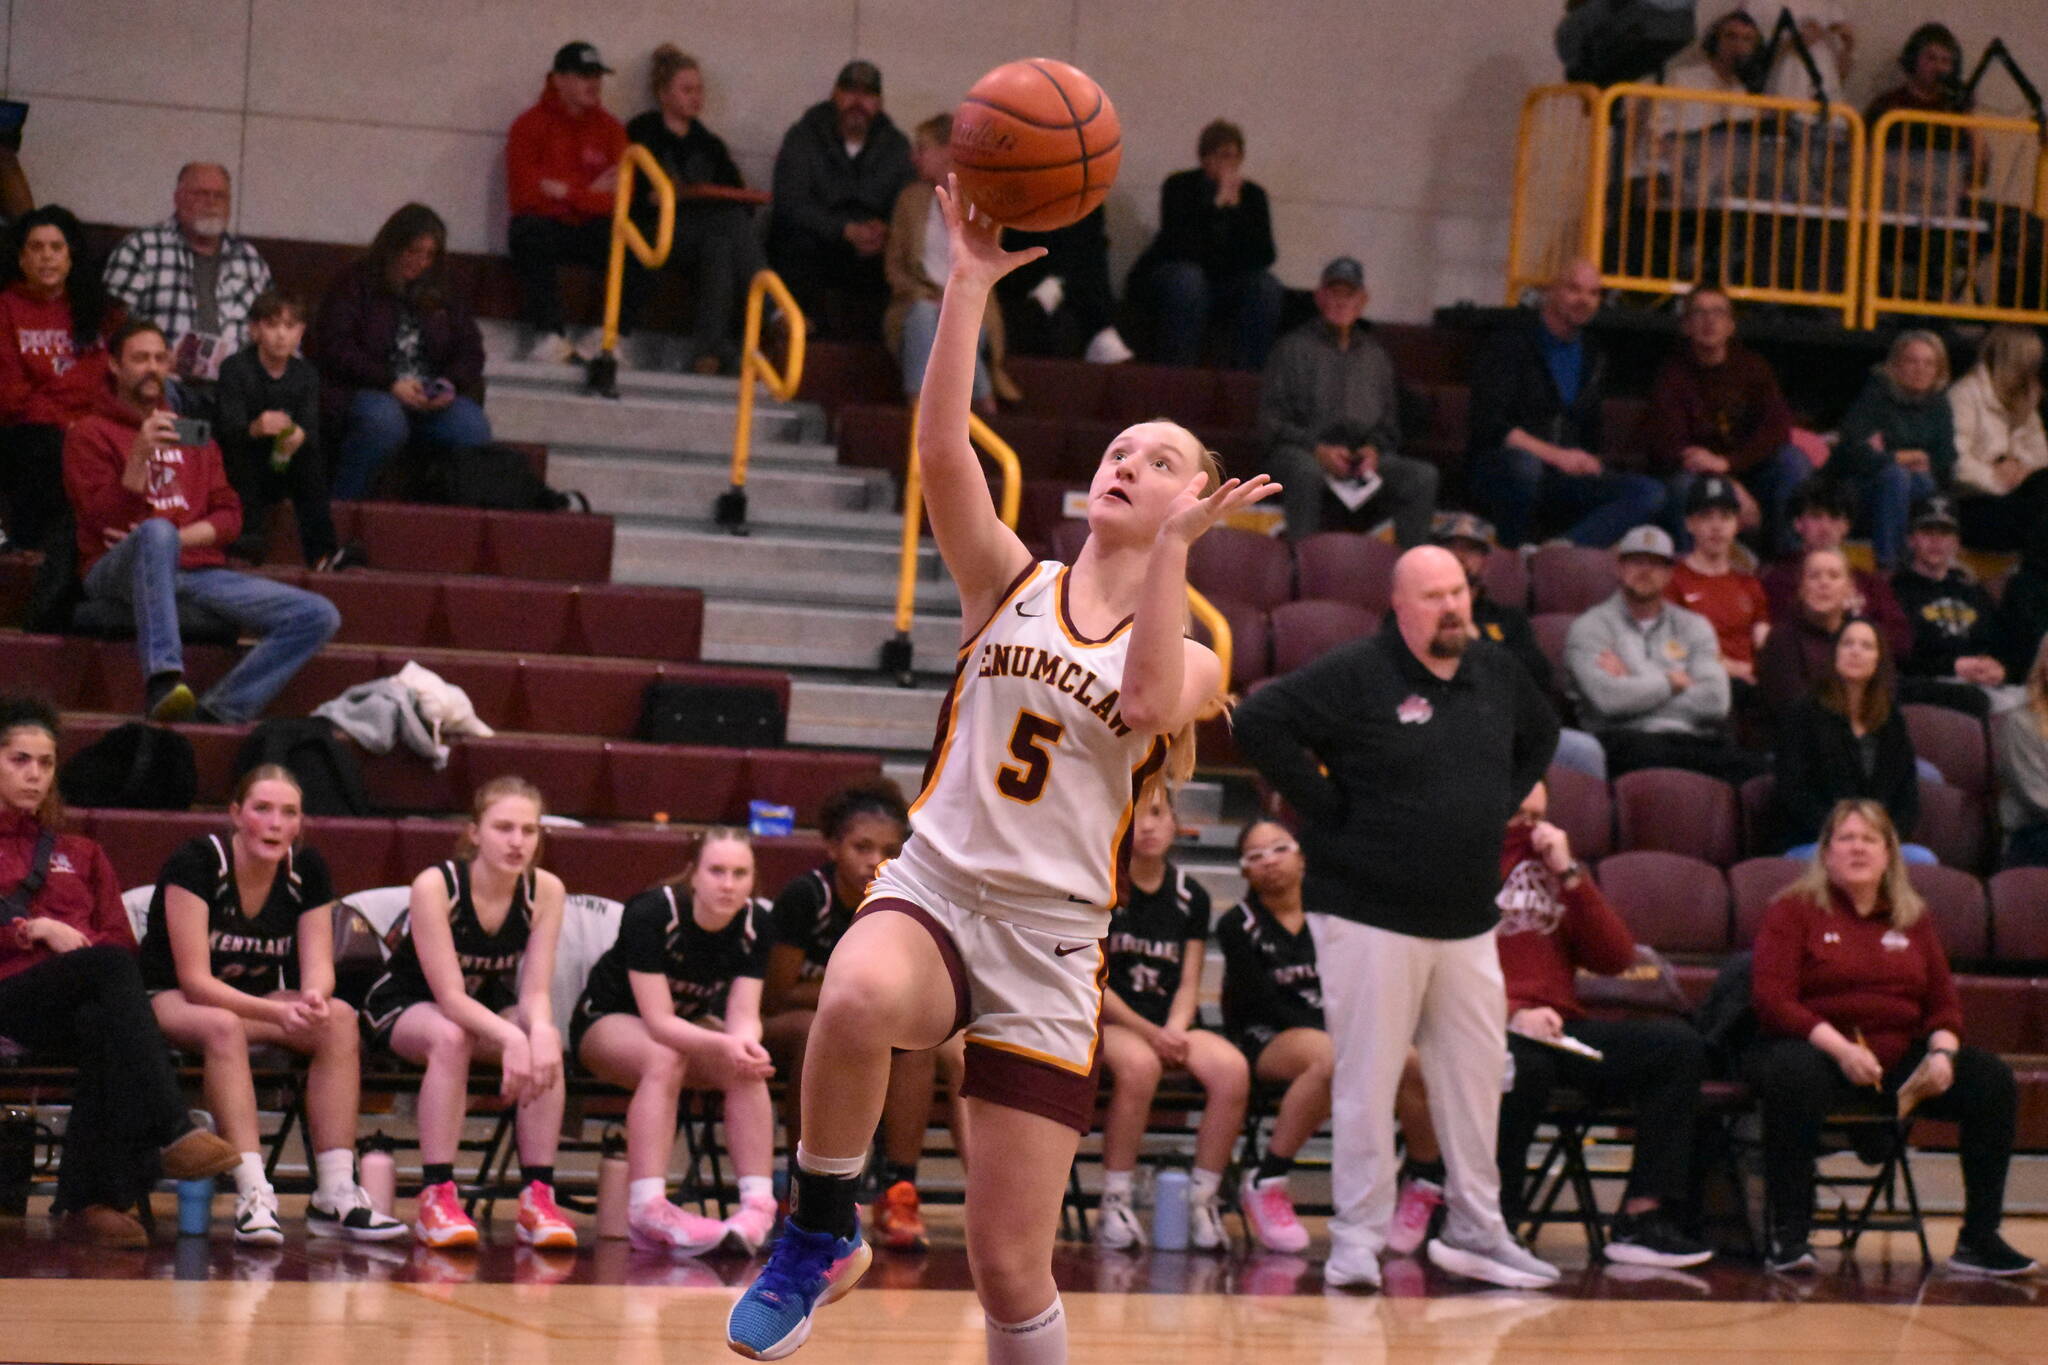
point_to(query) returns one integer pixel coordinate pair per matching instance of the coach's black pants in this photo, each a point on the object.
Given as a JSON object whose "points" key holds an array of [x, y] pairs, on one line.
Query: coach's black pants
{"points": [[1653, 1065], [88, 1007]]}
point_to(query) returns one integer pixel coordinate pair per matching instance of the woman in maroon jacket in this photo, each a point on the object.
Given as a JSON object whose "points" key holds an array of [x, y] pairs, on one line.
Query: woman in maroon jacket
{"points": [[1853, 995], [400, 358], [69, 986]]}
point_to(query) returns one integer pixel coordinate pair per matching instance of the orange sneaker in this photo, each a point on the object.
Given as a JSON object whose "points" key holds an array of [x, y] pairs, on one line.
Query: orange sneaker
{"points": [[898, 1224], [441, 1223], [541, 1224]]}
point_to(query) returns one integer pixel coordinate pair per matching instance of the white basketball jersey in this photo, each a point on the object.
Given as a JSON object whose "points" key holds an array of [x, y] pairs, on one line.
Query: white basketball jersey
{"points": [[1033, 778]]}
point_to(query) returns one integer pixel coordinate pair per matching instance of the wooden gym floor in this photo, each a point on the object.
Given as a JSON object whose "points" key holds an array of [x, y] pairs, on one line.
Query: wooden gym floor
{"points": [[322, 1303]]}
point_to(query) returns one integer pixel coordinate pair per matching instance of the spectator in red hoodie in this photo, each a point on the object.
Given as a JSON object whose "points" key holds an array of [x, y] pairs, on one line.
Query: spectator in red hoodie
{"points": [[1853, 998], [70, 985], [53, 368], [562, 171], [155, 515], [1554, 922]]}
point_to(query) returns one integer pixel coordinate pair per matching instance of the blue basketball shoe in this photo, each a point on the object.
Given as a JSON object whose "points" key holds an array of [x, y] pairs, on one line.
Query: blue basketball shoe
{"points": [[805, 1271]]}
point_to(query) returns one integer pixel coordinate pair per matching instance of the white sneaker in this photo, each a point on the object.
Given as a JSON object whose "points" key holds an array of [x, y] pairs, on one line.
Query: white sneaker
{"points": [[256, 1219], [1504, 1263], [1107, 347], [351, 1216], [553, 349], [1361, 1273], [1205, 1224], [1116, 1223]]}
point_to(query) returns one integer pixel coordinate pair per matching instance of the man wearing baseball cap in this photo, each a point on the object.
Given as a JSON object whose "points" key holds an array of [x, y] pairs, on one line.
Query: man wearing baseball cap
{"points": [[1330, 423], [837, 176], [1954, 620], [1708, 581], [1648, 675], [562, 170]]}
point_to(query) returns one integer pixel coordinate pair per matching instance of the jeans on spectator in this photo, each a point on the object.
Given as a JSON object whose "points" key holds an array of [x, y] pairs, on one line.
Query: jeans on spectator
{"points": [[1188, 298], [291, 624], [1887, 496], [1581, 752], [716, 249], [378, 426], [540, 245], [920, 326], [1519, 489], [88, 1007], [1654, 1065], [1406, 496], [1918, 854], [261, 487], [1798, 1086], [1773, 483]]}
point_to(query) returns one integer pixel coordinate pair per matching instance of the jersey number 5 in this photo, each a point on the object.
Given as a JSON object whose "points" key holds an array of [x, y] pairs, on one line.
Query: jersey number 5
{"points": [[1029, 744]]}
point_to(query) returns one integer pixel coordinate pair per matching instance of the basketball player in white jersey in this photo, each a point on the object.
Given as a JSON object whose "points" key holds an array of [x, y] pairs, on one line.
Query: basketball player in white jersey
{"points": [[1076, 687]]}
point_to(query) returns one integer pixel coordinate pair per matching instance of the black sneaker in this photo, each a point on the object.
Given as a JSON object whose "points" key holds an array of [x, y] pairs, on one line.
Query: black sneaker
{"points": [[1791, 1258], [1988, 1255], [1652, 1239]]}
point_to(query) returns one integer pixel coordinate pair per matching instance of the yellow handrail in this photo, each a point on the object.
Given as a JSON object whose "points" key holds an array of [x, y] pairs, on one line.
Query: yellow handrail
{"points": [[755, 364], [1539, 107], [626, 234], [1218, 628]]}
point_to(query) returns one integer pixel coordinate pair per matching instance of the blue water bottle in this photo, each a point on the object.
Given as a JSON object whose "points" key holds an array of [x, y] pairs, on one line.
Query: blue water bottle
{"points": [[195, 1207], [1170, 1210]]}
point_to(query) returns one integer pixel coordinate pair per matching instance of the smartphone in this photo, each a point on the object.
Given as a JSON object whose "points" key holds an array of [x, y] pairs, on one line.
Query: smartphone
{"points": [[194, 431], [437, 389]]}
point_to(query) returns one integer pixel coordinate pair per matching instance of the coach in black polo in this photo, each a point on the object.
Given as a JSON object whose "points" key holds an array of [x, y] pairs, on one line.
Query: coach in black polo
{"points": [[1404, 754]]}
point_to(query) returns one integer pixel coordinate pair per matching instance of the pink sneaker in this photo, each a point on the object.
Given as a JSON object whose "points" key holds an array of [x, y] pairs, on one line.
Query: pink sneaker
{"points": [[747, 1231], [658, 1225], [541, 1224], [1270, 1211], [1420, 1199]]}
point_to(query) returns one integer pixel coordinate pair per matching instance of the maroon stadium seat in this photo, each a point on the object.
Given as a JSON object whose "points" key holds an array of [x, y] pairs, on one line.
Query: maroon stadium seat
{"points": [[384, 608], [1251, 646], [582, 696], [568, 771], [697, 783], [1953, 742], [360, 854], [2019, 914], [1759, 832], [1676, 811], [801, 778], [1040, 442], [1955, 902], [1067, 539], [1345, 566], [1581, 807], [438, 540], [2001, 1013], [418, 844], [1243, 565], [1753, 884], [1506, 578], [1178, 393], [1550, 629], [326, 676], [44, 666], [1058, 389], [780, 860], [1304, 630], [575, 549], [1673, 903], [873, 435], [1951, 825], [1237, 403], [618, 863], [638, 622], [1571, 578], [492, 613], [140, 842], [401, 782]]}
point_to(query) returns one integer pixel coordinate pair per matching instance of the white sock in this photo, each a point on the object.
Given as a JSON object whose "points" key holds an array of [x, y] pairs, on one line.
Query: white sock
{"points": [[1204, 1185], [1117, 1183], [335, 1172], [848, 1167], [645, 1191], [249, 1174], [1040, 1341], [756, 1187]]}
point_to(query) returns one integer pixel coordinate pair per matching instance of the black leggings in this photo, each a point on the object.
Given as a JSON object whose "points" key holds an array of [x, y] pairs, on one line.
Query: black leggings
{"points": [[1654, 1065], [88, 1007], [1798, 1086]]}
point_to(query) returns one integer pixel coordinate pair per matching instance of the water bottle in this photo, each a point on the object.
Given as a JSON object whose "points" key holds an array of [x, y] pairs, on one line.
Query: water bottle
{"points": [[280, 460], [612, 1192], [377, 1172], [195, 1207], [1170, 1210]]}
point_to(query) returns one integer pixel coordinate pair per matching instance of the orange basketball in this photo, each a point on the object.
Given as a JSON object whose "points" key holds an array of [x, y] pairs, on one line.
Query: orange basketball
{"points": [[1036, 144]]}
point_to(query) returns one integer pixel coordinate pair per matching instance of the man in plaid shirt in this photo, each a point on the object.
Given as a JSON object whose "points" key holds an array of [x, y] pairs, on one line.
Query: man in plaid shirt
{"points": [[190, 276]]}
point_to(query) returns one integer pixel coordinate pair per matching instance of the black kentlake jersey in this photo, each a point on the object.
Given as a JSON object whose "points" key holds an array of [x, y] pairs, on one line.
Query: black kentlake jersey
{"points": [[258, 953], [810, 917], [489, 961], [1270, 982], [1148, 935], [658, 934]]}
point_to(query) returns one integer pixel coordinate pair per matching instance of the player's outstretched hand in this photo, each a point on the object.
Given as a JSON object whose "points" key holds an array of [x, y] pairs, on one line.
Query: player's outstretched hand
{"points": [[1192, 514], [977, 249]]}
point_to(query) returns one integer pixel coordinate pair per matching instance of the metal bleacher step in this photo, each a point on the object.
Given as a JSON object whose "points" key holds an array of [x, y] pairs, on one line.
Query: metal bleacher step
{"points": [[811, 635], [823, 499], [636, 422], [769, 565], [863, 715]]}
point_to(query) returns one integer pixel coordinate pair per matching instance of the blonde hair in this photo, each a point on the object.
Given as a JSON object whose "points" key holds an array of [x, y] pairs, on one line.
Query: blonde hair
{"points": [[488, 795], [669, 61], [2011, 359], [1920, 336], [714, 835], [264, 772], [1897, 900]]}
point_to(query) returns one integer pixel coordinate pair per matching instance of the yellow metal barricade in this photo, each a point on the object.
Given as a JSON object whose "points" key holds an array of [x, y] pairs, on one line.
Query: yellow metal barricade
{"points": [[1553, 184], [755, 364], [897, 654], [1219, 631], [1953, 218], [626, 236], [1758, 194]]}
